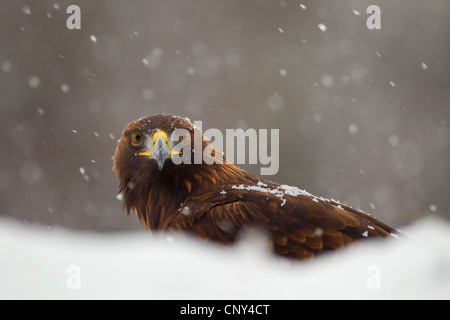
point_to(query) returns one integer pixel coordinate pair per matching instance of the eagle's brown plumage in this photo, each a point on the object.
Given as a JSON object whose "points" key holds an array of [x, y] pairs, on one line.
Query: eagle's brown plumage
{"points": [[217, 201]]}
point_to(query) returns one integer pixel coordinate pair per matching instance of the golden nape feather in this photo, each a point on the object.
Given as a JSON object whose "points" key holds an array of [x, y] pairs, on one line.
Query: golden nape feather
{"points": [[218, 200]]}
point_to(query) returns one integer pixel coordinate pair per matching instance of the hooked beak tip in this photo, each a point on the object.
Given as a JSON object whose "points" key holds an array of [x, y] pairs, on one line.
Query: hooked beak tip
{"points": [[161, 154], [160, 150], [160, 164]]}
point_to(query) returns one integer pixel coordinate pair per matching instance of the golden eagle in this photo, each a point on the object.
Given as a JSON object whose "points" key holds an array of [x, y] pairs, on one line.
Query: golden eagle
{"points": [[215, 201]]}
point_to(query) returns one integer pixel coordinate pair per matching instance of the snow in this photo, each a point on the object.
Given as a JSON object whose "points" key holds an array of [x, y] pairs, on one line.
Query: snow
{"points": [[261, 187], [190, 71], [26, 10], [353, 128], [393, 140], [7, 66], [153, 59], [186, 211], [322, 27], [327, 81], [43, 263], [275, 102], [65, 88], [34, 82], [281, 191]]}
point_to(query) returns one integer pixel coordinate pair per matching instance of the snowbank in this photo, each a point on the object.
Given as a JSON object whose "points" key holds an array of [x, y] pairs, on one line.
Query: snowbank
{"points": [[36, 262]]}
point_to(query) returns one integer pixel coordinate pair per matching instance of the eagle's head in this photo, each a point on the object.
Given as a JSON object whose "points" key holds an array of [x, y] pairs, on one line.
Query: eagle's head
{"points": [[158, 164], [154, 141]]}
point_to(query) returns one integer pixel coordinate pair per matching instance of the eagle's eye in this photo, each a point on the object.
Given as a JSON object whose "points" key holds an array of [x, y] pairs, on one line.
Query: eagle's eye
{"points": [[137, 139]]}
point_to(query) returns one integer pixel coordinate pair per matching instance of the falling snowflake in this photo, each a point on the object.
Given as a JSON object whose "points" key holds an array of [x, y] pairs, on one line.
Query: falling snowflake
{"points": [[353, 128], [65, 88], [34, 82], [322, 27]]}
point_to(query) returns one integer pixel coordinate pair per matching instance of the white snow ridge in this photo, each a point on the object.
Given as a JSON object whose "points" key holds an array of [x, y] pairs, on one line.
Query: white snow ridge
{"points": [[42, 263]]}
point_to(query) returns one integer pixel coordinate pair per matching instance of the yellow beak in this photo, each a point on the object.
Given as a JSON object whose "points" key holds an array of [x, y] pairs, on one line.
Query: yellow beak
{"points": [[160, 150]]}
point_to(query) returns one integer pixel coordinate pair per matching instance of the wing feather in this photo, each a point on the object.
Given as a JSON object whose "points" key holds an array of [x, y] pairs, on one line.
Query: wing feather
{"points": [[299, 226]]}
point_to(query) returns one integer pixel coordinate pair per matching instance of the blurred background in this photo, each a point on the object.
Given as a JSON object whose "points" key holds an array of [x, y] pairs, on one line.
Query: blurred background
{"points": [[363, 114]]}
